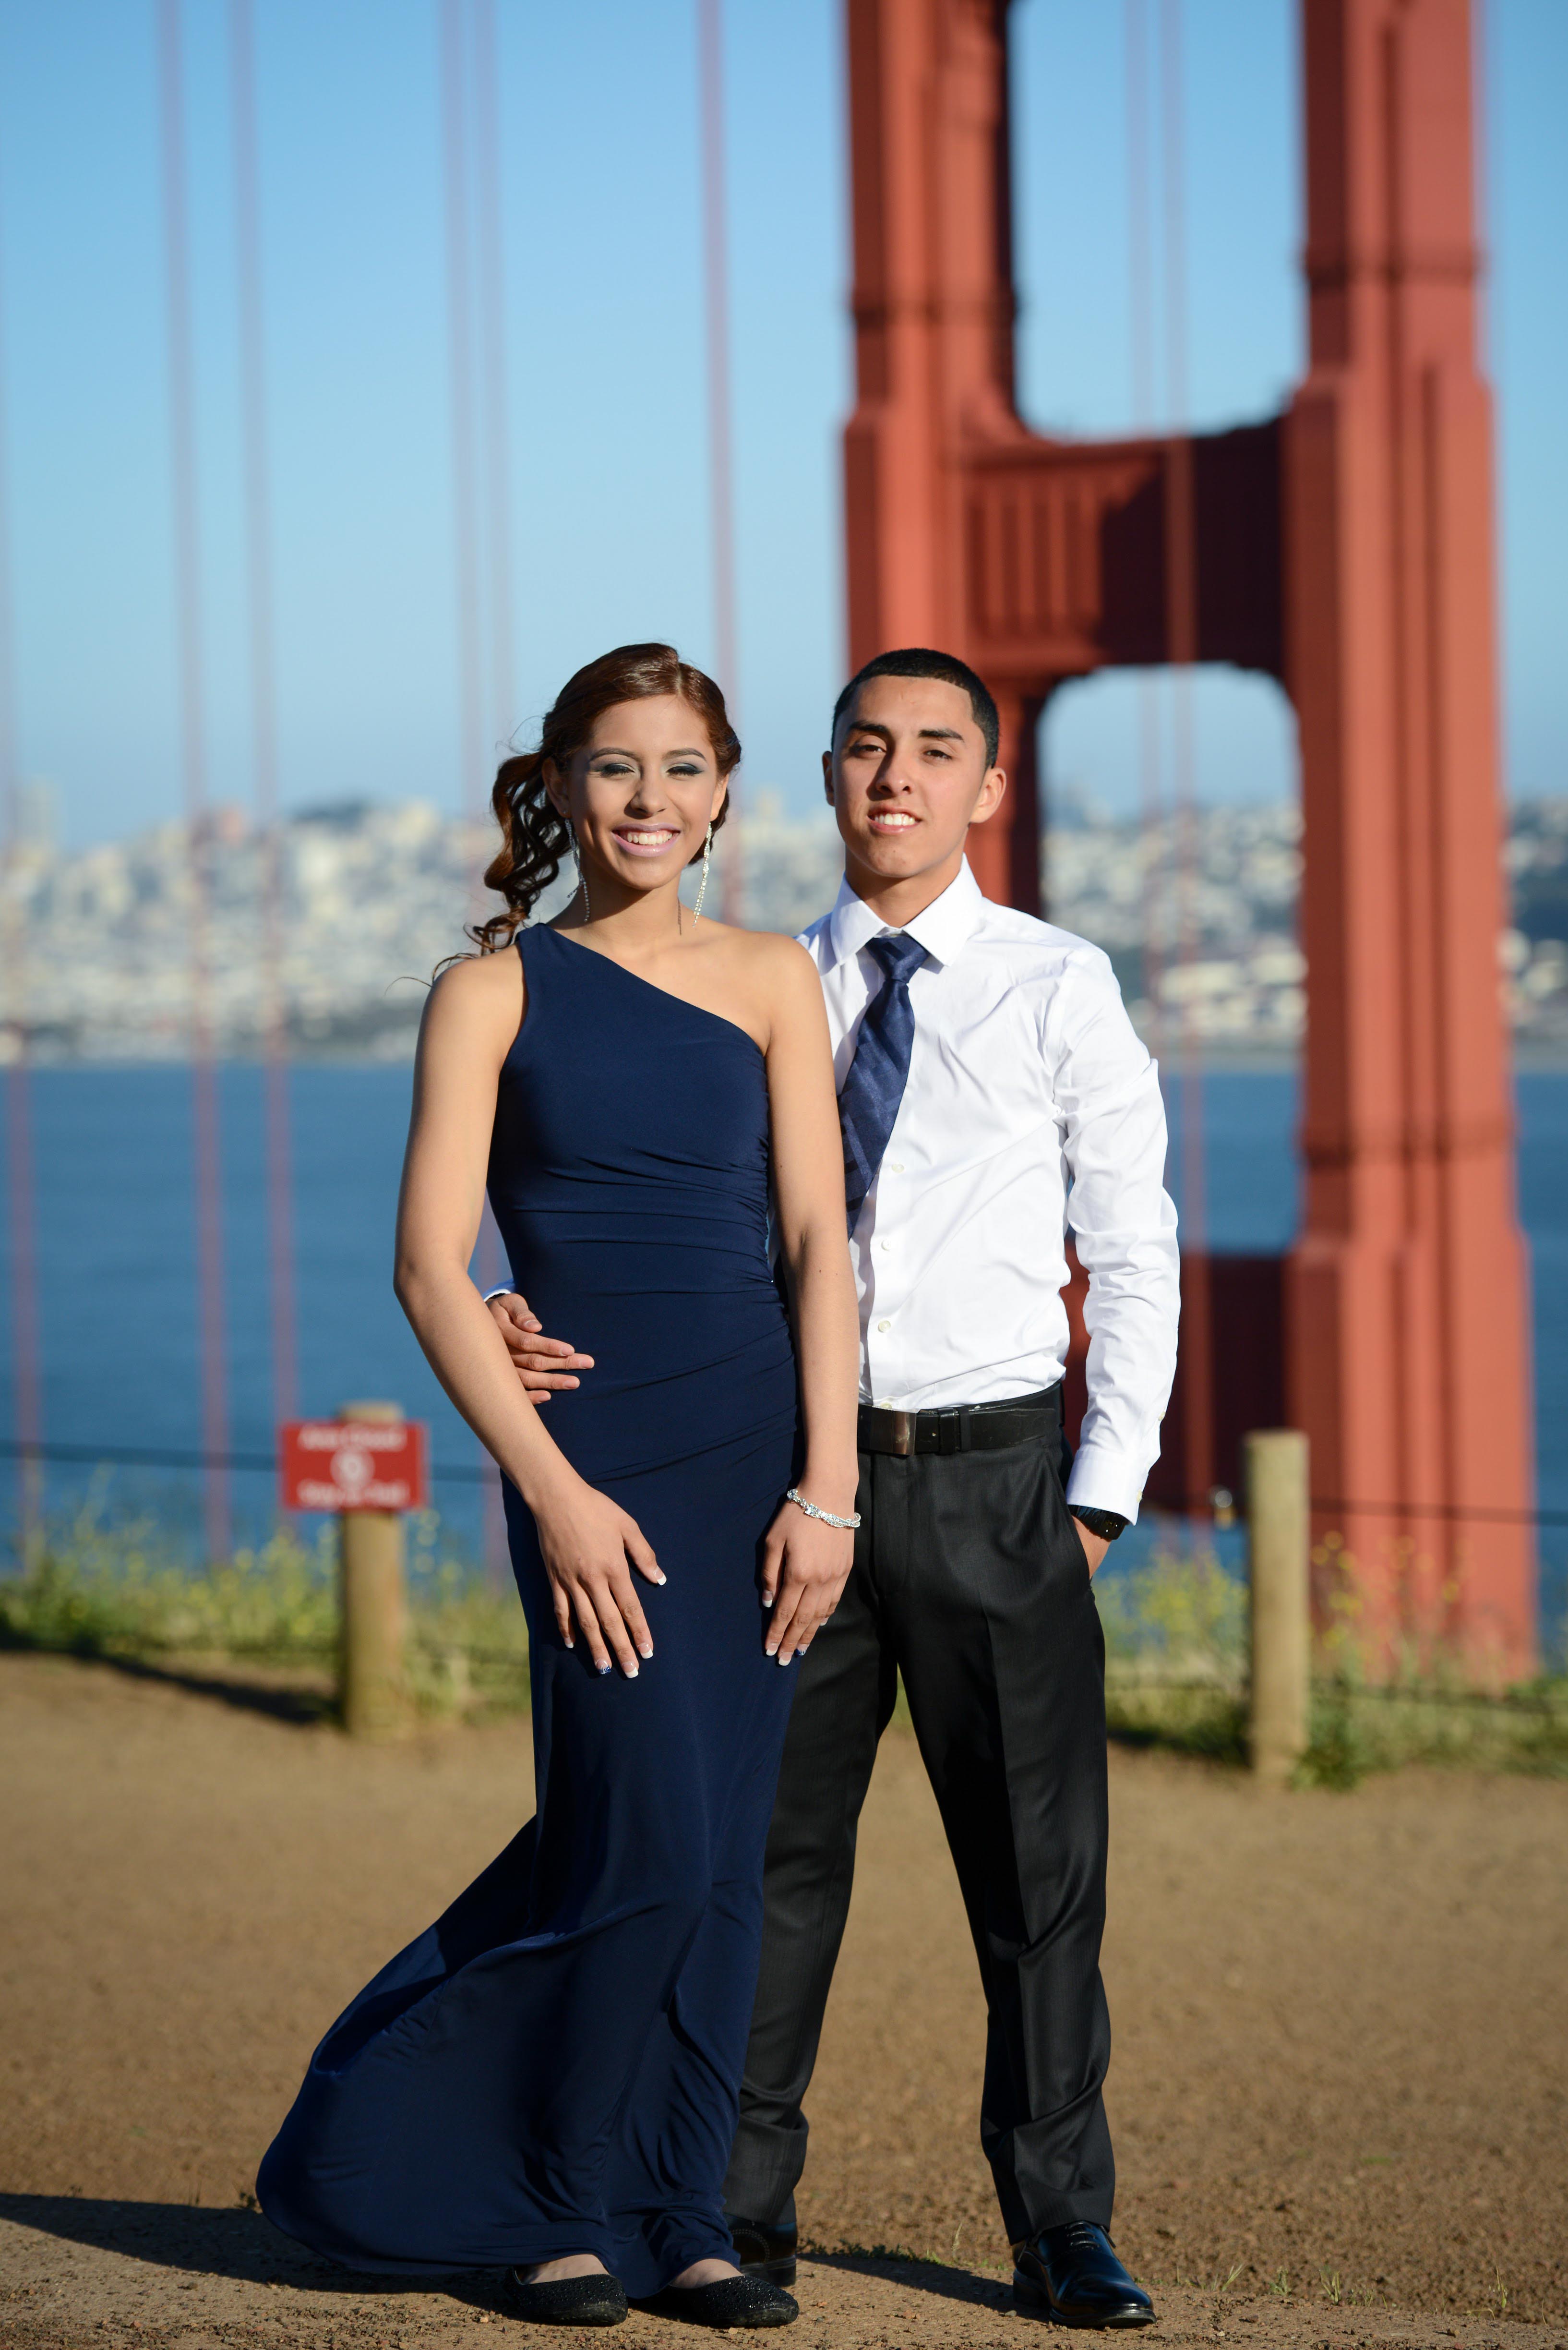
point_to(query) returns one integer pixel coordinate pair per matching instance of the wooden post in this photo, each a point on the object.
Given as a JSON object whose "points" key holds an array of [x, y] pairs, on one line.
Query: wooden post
{"points": [[371, 1686], [1279, 1519]]}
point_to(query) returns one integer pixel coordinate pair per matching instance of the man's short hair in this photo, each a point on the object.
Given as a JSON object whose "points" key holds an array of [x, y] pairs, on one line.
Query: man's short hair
{"points": [[919, 660]]}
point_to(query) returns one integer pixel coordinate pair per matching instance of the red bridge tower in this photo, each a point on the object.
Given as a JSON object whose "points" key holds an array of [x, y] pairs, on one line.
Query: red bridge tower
{"points": [[1345, 550]]}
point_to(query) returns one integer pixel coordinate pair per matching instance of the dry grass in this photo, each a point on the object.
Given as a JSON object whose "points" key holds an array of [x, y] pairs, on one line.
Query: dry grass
{"points": [[1175, 1646]]}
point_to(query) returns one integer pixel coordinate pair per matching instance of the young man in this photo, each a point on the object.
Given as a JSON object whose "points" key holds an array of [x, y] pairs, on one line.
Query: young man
{"points": [[991, 1092]]}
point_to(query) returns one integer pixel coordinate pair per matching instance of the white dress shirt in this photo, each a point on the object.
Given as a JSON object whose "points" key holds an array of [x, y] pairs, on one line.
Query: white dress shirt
{"points": [[1031, 1107]]}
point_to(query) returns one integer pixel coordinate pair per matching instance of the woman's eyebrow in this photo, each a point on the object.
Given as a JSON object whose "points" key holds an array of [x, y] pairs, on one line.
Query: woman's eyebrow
{"points": [[614, 751]]}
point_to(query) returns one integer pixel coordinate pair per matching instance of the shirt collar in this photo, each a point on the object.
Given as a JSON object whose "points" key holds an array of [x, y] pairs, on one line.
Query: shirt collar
{"points": [[945, 926]]}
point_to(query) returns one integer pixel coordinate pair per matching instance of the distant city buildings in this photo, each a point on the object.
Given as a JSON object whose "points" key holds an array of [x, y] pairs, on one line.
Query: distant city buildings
{"points": [[98, 944]]}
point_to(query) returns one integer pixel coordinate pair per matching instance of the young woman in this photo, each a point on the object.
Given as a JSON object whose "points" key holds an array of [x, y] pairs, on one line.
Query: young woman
{"points": [[548, 2078]]}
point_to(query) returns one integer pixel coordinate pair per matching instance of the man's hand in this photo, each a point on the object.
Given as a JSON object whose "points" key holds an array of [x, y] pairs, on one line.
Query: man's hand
{"points": [[1095, 1546], [544, 1365]]}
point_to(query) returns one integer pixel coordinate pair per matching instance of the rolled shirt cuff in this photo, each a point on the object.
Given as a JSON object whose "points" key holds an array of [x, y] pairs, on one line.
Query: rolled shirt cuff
{"points": [[502, 1289], [1102, 1478]]}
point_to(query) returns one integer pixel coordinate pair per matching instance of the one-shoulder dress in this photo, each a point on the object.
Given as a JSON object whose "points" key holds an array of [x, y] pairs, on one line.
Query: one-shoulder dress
{"points": [[553, 2065]]}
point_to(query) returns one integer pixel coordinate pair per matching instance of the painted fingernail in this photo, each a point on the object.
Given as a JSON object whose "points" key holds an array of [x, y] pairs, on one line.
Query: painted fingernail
{"points": [[603, 1669], [773, 1652], [786, 1660], [658, 1578], [645, 1653], [631, 1673]]}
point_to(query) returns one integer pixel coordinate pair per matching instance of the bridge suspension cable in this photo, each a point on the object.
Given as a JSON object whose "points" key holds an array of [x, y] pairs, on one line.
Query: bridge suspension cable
{"points": [[480, 476], [206, 1139], [27, 1411], [1182, 919], [264, 709], [1140, 274], [721, 433]]}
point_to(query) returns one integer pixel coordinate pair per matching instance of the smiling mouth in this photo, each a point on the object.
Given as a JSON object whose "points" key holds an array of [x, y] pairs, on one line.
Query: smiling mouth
{"points": [[892, 820], [646, 839]]}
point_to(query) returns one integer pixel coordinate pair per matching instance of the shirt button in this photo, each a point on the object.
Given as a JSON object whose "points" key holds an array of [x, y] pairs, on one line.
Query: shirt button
{"points": [[884, 1325], [885, 1245], [895, 1166]]}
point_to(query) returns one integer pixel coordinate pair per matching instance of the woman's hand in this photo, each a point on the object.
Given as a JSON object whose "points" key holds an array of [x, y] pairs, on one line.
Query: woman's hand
{"points": [[587, 1541], [806, 1565]]}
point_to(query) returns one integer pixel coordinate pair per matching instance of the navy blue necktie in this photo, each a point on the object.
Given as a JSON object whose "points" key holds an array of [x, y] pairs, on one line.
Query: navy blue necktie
{"points": [[880, 1069]]}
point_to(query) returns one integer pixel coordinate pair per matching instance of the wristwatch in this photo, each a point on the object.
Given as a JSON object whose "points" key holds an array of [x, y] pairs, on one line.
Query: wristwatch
{"points": [[1104, 1522]]}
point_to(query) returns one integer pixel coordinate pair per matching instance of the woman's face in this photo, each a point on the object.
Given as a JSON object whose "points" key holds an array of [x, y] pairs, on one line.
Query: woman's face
{"points": [[642, 791]]}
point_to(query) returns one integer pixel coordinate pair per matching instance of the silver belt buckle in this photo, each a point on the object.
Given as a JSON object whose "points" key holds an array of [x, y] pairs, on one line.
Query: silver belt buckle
{"points": [[903, 1432]]}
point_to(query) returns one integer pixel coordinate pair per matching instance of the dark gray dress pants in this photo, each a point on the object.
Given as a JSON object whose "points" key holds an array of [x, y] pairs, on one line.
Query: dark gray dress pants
{"points": [[970, 1582]]}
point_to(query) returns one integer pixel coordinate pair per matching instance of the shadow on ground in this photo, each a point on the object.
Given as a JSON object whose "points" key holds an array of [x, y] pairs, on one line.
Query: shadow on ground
{"points": [[917, 2275], [288, 1701], [239, 2244]]}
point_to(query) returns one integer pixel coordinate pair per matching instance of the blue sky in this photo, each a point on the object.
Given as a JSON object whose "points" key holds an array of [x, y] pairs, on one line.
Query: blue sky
{"points": [[604, 334]]}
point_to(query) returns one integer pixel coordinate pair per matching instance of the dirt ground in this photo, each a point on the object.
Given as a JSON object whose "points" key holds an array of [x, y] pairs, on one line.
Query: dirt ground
{"points": [[1340, 2089]]}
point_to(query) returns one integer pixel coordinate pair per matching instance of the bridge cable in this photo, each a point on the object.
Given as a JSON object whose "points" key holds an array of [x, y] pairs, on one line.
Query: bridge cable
{"points": [[721, 418], [1168, 847], [20, 1190], [260, 615], [206, 1138], [481, 479]]}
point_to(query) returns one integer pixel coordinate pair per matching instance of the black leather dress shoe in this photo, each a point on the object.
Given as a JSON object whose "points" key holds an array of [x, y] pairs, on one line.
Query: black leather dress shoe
{"points": [[765, 2249], [1072, 2276], [566, 2301]]}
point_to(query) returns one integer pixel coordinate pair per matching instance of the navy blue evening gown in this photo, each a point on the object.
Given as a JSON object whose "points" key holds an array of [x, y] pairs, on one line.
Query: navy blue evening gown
{"points": [[553, 2065]]}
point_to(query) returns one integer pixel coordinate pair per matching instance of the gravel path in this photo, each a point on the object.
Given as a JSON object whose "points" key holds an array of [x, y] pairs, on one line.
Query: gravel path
{"points": [[1340, 2078]]}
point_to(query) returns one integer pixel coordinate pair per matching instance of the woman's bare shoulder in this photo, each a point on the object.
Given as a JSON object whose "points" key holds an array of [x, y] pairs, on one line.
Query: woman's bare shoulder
{"points": [[772, 957], [479, 991], [777, 977]]}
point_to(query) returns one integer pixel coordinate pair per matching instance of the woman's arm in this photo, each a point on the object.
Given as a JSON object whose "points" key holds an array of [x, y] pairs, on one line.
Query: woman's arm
{"points": [[806, 1563], [468, 1029]]}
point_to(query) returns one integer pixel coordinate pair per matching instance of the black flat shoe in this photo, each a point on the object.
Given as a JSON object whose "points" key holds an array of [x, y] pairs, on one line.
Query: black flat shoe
{"points": [[566, 2301], [1072, 2276], [765, 2249], [730, 2301]]}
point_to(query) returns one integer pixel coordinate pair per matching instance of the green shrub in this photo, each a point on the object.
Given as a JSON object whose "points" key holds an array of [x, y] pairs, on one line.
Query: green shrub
{"points": [[120, 1591], [1177, 1672], [1175, 1655], [1175, 1646]]}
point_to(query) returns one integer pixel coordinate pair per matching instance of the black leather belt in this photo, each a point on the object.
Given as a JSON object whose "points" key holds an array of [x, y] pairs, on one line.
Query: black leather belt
{"points": [[967, 1428]]}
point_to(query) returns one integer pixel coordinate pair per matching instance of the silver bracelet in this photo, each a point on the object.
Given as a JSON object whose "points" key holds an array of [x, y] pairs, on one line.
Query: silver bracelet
{"points": [[812, 1511]]}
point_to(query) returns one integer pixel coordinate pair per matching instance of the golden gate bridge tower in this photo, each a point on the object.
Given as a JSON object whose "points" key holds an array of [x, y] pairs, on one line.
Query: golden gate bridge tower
{"points": [[1345, 550]]}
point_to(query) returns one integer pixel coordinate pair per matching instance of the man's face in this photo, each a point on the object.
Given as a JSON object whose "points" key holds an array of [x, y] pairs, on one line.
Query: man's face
{"points": [[907, 777]]}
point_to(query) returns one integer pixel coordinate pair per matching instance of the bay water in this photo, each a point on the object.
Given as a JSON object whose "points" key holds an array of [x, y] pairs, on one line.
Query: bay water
{"points": [[116, 1274]]}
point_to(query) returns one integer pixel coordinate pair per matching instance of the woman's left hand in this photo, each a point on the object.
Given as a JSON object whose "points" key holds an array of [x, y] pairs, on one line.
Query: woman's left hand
{"points": [[806, 1565]]}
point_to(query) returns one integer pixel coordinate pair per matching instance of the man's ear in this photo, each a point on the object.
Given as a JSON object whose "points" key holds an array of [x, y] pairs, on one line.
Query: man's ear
{"points": [[992, 792], [827, 778]]}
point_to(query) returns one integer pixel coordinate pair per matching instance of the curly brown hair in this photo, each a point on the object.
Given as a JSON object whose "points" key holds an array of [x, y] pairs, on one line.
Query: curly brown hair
{"points": [[534, 838]]}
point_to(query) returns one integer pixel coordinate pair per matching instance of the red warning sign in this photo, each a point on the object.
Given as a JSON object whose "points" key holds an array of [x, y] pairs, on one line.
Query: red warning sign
{"points": [[353, 1464]]}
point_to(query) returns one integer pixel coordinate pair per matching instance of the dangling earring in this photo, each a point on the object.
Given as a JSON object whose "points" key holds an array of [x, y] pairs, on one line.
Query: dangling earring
{"points": [[702, 885], [582, 875]]}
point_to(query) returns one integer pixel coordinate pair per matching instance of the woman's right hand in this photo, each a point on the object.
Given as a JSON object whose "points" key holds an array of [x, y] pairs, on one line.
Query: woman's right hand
{"points": [[587, 1541]]}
